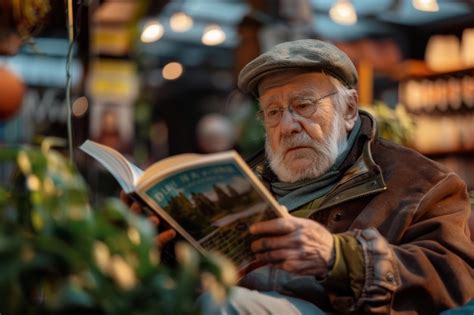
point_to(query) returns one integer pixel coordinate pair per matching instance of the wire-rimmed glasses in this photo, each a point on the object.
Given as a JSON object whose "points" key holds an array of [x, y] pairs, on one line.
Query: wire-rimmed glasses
{"points": [[271, 116]]}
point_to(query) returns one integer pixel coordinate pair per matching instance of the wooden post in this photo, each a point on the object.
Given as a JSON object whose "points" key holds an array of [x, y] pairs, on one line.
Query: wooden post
{"points": [[366, 81]]}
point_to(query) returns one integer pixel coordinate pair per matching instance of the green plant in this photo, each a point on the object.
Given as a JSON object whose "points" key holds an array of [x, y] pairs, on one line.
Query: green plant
{"points": [[395, 125], [57, 255]]}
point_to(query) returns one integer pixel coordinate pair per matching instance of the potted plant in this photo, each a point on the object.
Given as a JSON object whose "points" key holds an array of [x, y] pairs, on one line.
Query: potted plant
{"points": [[58, 255]]}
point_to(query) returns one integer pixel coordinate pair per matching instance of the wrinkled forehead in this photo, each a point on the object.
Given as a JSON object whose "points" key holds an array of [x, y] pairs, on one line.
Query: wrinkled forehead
{"points": [[311, 79]]}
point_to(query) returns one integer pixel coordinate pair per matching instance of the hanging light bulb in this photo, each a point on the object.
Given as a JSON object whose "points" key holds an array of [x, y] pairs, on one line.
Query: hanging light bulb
{"points": [[172, 71], [343, 12], [426, 5], [152, 31], [213, 35], [181, 22]]}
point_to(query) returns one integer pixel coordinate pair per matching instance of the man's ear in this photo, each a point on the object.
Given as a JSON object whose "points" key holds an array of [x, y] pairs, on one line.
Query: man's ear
{"points": [[351, 111]]}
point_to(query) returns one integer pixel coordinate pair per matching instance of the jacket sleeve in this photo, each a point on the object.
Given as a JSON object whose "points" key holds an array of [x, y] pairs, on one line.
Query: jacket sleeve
{"points": [[429, 269]]}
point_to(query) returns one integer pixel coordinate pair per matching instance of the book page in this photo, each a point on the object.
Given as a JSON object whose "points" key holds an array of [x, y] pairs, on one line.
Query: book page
{"points": [[123, 171], [168, 164], [212, 204]]}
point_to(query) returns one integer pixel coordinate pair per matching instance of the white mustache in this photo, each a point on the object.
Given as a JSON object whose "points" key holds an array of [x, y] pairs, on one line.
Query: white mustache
{"points": [[301, 139], [324, 154]]}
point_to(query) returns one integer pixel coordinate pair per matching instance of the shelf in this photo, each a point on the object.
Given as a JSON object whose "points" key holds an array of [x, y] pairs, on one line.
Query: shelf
{"points": [[413, 69]]}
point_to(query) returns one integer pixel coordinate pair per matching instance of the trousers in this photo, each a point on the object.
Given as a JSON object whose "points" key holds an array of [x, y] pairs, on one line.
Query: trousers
{"points": [[242, 301]]}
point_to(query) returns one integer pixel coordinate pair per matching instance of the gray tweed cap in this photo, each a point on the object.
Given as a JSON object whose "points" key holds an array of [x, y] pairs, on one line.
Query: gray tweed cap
{"points": [[300, 54]]}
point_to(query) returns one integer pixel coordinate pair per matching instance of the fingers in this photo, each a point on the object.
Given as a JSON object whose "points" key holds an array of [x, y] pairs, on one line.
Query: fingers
{"points": [[277, 256], [154, 219], [302, 267], [125, 198], [275, 242], [275, 226], [294, 244], [134, 206], [164, 237], [294, 261]]}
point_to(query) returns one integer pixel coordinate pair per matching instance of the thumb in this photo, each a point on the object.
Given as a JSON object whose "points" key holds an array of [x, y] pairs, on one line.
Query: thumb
{"points": [[284, 209]]}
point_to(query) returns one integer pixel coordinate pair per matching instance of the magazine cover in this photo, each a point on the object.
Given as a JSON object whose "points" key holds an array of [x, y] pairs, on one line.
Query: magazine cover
{"points": [[212, 206]]}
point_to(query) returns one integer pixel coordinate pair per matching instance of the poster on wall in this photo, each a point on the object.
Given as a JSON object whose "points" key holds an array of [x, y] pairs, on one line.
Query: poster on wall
{"points": [[113, 88], [111, 123]]}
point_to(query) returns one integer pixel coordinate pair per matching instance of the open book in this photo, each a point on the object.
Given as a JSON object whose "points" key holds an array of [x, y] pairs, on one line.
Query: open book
{"points": [[211, 199]]}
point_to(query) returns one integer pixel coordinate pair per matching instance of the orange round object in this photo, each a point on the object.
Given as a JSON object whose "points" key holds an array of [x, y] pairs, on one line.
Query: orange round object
{"points": [[12, 90]]}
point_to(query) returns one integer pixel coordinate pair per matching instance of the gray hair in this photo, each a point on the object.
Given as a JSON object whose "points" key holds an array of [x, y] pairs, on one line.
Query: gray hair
{"points": [[343, 95]]}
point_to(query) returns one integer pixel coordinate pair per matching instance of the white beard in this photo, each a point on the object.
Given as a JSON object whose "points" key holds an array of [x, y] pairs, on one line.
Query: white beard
{"points": [[309, 163]]}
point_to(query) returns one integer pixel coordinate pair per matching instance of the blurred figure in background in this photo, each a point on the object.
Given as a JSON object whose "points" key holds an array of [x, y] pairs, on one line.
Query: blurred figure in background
{"points": [[215, 133]]}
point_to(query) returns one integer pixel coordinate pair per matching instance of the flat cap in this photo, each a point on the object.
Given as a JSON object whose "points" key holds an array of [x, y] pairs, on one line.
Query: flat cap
{"points": [[300, 54]]}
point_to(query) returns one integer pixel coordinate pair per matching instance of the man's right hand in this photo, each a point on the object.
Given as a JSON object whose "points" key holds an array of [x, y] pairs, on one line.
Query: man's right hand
{"points": [[163, 237]]}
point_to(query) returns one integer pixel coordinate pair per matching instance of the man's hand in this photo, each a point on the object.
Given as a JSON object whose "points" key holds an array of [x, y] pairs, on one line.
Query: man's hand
{"points": [[163, 237], [296, 245]]}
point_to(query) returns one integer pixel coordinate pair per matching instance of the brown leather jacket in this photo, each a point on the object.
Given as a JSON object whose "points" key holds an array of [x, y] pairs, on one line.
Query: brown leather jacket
{"points": [[409, 214]]}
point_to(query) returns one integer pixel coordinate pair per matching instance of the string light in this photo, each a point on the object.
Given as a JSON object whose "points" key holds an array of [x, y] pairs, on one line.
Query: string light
{"points": [[172, 71], [181, 22], [426, 5], [343, 12], [80, 106], [152, 31], [213, 35]]}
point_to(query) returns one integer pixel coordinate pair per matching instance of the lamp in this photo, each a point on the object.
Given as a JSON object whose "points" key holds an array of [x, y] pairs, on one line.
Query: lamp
{"points": [[443, 53], [426, 5], [172, 71], [213, 35], [152, 31], [343, 12], [467, 53], [181, 22]]}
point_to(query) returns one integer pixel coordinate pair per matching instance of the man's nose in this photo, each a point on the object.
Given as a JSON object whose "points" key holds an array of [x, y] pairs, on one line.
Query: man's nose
{"points": [[289, 124]]}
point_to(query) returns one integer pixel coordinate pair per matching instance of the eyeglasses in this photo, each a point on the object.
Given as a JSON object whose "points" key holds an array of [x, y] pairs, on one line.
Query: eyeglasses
{"points": [[271, 116]]}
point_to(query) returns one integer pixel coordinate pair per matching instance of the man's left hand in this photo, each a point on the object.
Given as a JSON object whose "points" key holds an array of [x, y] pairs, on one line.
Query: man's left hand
{"points": [[297, 245]]}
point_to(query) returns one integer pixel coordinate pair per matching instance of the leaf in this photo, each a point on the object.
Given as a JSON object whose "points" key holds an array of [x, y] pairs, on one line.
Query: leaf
{"points": [[47, 236]]}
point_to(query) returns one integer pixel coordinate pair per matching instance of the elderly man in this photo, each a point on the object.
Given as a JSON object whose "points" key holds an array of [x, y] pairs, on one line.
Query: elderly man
{"points": [[379, 227], [374, 227]]}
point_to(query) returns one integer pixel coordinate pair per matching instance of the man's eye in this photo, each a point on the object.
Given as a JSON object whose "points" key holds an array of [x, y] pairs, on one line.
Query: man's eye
{"points": [[272, 112], [303, 107]]}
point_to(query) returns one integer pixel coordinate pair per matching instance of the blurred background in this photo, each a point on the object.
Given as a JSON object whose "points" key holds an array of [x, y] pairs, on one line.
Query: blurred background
{"points": [[157, 78]]}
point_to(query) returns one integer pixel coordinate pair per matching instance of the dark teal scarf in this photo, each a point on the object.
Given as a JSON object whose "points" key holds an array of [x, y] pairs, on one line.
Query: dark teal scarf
{"points": [[294, 195]]}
